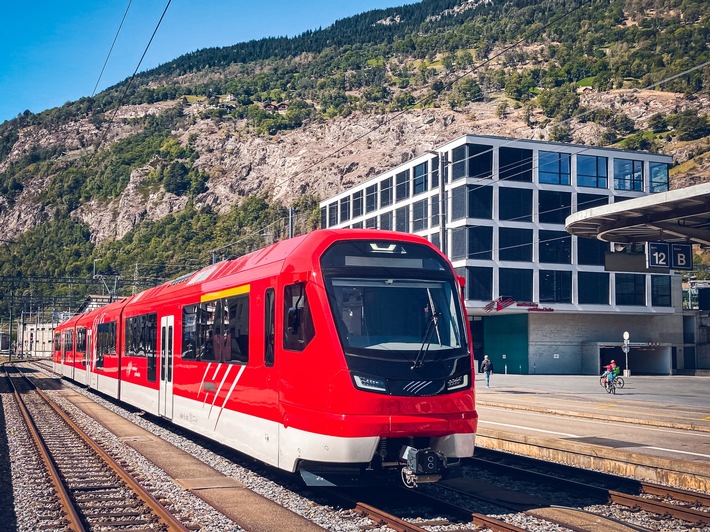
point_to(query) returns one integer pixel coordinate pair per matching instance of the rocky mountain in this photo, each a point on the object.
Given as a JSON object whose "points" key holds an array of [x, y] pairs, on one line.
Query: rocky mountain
{"points": [[206, 132]]}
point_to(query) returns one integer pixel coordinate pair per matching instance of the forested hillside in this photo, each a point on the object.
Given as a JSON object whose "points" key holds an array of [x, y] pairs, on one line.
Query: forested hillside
{"points": [[202, 156]]}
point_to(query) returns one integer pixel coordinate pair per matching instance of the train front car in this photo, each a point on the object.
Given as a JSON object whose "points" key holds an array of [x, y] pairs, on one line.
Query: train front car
{"points": [[403, 400]]}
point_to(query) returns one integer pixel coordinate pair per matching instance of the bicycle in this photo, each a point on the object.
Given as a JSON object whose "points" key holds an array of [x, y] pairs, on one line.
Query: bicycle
{"points": [[618, 381], [611, 387]]}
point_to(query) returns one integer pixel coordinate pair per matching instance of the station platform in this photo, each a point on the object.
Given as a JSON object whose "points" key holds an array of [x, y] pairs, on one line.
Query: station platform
{"points": [[657, 428]]}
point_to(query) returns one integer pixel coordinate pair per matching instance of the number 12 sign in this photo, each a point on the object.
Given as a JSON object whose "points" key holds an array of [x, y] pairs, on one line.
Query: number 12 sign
{"points": [[673, 256]]}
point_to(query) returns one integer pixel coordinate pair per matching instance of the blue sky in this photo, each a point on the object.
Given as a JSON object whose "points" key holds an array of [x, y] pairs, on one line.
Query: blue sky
{"points": [[52, 52]]}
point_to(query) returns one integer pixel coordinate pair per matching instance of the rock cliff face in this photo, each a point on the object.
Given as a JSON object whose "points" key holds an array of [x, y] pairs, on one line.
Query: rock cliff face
{"points": [[321, 158]]}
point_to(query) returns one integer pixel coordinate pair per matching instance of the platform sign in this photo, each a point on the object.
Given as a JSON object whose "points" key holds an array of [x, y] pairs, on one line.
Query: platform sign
{"points": [[667, 255], [681, 256], [658, 255]]}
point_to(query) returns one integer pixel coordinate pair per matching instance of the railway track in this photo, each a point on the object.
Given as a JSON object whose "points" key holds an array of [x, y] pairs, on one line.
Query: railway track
{"points": [[663, 502], [93, 492]]}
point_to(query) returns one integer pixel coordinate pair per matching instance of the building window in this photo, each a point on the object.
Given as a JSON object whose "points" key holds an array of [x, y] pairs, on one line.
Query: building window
{"points": [[333, 214], [480, 202], [591, 252], [402, 190], [421, 172], [480, 242], [458, 243], [345, 209], [420, 216], [434, 211], [593, 288], [479, 283], [630, 289], [554, 207], [658, 181], [402, 219], [555, 286], [386, 221], [628, 174], [324, 217], [515, 244], [661, 291], [516, 283], [458, 163], [555, 247], [515, 204], [371, 223], [386, 192], [435, 172], [592, 171], [480, 161], [587, 201], [515, 164], [458, 203], [553, 167], [371, 198], [357, 204]]}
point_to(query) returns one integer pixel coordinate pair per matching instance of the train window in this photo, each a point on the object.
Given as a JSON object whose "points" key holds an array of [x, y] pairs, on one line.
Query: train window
{"points": [[269, 331], [141, 335], [105, 342], [69, 340], [81, 339], [217, 331], [298, 326], [57, 341]]}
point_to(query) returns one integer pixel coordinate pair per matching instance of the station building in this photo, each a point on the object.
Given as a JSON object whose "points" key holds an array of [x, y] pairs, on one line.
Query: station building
{"points": [[539, 300]]}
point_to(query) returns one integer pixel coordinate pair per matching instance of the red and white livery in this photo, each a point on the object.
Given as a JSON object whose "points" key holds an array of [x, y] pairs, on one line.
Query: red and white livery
{"points": [[342, 354]]}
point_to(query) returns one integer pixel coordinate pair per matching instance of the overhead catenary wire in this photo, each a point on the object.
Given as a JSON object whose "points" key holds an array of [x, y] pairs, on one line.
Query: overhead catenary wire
{"points": [[130, 80]]}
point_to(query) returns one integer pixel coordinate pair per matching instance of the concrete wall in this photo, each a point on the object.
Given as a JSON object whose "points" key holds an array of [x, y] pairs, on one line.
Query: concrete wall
{"points": [[560, 343]]}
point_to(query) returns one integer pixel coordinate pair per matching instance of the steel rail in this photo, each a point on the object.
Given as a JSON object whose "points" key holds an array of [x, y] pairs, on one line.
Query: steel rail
{"points": [[495, 524], [160, 511], [685, 514], [75, 522]]}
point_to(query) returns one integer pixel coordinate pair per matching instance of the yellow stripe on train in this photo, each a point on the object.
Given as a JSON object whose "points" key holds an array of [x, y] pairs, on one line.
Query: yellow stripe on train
{"points": [[237, 290]]}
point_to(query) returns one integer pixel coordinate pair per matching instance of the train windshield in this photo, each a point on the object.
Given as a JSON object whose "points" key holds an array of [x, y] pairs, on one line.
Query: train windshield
{"points": [[394, 300], [394, 315]]}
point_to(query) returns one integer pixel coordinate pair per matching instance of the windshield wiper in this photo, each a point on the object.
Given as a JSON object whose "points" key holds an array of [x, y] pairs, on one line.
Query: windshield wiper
{"points": [[424, 349]]}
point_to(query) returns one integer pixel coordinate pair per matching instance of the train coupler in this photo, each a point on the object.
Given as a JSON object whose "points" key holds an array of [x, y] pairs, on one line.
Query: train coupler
{"points": [[422, 466]]}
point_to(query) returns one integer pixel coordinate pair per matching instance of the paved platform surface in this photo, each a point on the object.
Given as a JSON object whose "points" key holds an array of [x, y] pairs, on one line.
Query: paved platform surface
{"points": [[674, 400], [658, 424]]}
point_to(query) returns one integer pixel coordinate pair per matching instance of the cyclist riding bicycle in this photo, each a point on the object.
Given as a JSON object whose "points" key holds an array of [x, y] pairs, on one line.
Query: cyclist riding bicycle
{"points": [[611, 371]]}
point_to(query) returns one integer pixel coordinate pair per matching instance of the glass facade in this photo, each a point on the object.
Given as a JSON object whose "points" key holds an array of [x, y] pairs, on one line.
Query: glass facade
{"points": [[628, 174], [554, 168], [592, 171], [508, 201]]}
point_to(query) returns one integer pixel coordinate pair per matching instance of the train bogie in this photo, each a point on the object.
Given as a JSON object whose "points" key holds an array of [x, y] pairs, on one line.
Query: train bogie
{"points": [[337, 351]]}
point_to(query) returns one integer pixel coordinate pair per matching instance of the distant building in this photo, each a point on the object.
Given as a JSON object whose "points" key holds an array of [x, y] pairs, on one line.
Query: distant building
{"points": [[538, 299]]}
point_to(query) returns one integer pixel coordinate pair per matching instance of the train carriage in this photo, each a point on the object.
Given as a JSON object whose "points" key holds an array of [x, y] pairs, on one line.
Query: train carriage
{"points": [[340, 354]]}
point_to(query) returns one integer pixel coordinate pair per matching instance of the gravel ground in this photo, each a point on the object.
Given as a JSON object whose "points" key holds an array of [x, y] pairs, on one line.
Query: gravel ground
{"points": [[29, 483]]}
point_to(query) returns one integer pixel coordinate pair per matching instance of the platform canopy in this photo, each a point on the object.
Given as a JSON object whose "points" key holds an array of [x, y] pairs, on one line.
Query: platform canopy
{"points": [[681, 215]]}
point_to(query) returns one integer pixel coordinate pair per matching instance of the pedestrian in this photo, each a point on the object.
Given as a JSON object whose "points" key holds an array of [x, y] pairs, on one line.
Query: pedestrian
{"points": [[487, 368]]}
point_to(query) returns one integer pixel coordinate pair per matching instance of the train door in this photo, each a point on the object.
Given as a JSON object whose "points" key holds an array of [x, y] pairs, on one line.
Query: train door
{"points": [[93, 377], [166, 366], [87, 356]]}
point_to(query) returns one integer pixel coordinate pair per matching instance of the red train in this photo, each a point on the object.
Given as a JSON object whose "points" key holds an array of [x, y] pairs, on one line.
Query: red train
{"points": [[342, 354]]}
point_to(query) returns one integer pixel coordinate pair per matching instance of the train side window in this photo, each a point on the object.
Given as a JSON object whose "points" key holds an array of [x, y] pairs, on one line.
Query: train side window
{"points": [[269, 330], [236, 332], [105, 342], [298, 322], [189, 332]]}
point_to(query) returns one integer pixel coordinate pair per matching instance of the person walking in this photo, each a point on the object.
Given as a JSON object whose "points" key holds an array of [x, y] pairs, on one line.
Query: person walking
{"points": [[487, 368]]}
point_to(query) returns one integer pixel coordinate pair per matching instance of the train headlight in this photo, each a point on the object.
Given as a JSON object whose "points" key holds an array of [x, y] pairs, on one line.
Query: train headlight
{"points": [[370, 383], [457, 383]]}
